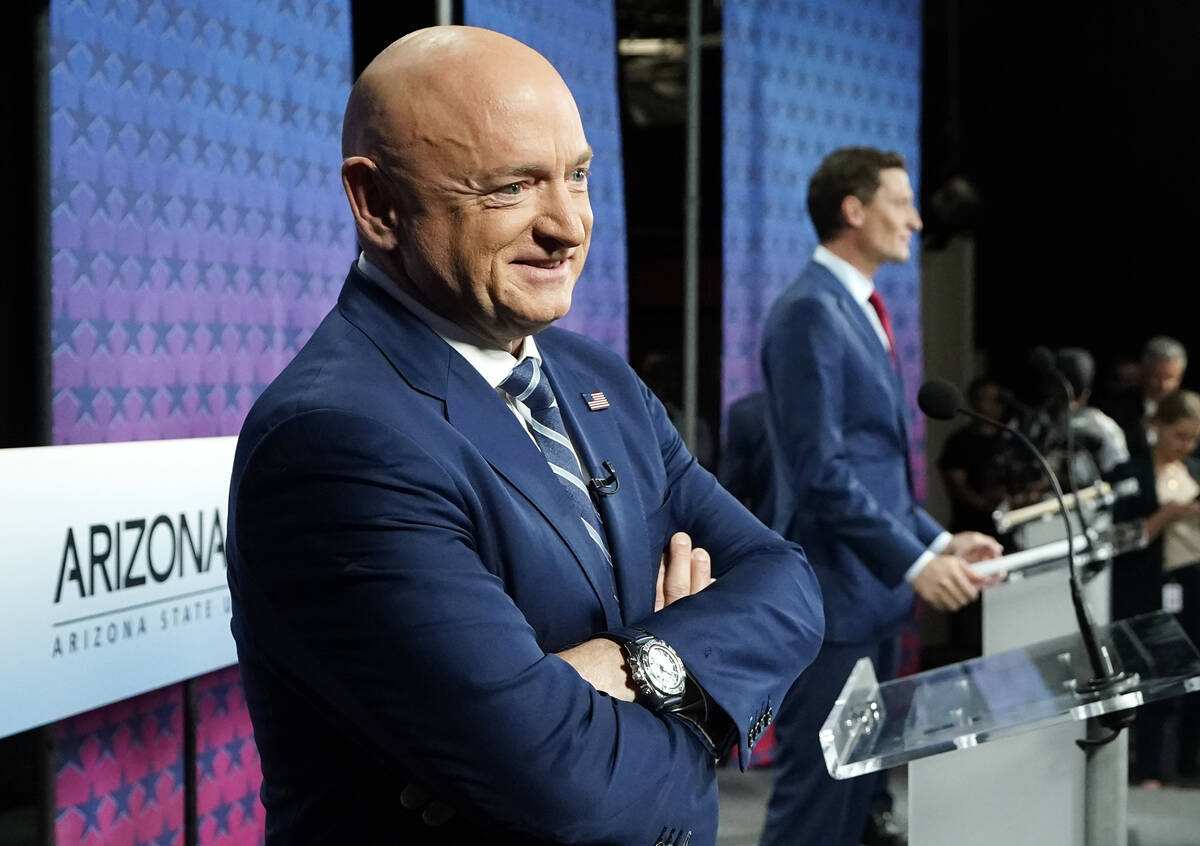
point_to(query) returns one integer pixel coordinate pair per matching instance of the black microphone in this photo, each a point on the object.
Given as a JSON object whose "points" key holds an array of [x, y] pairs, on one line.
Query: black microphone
{"points": [[941, 401], [607, 486]]}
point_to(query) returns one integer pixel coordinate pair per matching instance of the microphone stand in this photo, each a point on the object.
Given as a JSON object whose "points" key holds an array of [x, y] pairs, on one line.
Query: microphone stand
{"points": [[1068, 413], [1105, 678]]}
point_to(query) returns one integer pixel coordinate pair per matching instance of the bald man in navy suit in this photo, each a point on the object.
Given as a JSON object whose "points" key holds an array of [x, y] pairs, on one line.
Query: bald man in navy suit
{"points": [[454, 614]]}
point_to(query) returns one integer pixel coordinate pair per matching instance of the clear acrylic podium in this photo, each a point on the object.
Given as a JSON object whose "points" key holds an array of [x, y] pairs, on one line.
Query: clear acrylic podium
{"points": [[1031, 700]]}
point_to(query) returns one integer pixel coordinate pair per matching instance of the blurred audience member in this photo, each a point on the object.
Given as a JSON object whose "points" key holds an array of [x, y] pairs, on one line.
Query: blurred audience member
{"points": [[1099, 442], [1164, 574], [970, 463], [663, 374], [745, 467], [1164, 361], [1125, 374], [975, 479]]}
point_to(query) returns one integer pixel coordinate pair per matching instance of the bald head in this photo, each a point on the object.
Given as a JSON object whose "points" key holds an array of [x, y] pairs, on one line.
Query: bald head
{"points": [[430, 80], [465, 163]]}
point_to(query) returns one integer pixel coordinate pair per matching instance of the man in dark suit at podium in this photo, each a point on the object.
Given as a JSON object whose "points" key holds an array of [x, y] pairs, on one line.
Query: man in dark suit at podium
{"points": [[445, 535], [839, 434]]}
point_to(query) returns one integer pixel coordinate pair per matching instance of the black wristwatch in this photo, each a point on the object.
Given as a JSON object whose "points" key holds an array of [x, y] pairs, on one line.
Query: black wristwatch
{"points": [[657, 672]]}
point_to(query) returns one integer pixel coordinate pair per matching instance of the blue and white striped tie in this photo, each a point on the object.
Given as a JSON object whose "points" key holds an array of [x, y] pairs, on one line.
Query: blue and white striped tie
{"points": [[526, 384]]}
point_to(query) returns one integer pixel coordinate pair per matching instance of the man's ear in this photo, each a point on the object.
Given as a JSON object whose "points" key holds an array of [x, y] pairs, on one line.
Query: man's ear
{"points": [[373, 207], [852, 211]]}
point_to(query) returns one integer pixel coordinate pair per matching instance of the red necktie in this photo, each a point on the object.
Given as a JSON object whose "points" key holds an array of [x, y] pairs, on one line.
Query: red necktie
{"points": [[876, 302]]}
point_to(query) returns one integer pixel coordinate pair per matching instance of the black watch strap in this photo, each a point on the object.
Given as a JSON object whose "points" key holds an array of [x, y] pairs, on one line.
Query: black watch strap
{"points": [[627, 634], [637, 643], [693, 706]]}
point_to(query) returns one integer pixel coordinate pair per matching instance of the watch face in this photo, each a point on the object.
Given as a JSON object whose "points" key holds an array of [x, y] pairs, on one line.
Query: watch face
{"points": [[663, 668]]}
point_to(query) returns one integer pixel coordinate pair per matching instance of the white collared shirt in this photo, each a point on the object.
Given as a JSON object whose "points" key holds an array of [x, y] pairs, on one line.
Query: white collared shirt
{"points": [[492, 364], [860, 289]]}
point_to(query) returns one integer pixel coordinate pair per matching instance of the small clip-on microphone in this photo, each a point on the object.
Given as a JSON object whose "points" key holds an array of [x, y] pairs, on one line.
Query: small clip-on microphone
{"points": [[607, 486]]}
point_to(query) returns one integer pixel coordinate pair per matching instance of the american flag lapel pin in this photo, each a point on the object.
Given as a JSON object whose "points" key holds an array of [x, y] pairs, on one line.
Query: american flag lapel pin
{"points": [[596, 401]]}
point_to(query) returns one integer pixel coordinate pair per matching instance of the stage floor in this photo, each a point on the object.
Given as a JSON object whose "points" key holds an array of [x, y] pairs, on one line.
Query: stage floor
{"points": [[1169, 816]]}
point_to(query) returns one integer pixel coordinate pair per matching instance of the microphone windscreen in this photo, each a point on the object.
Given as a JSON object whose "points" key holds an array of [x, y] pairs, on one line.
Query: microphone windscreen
{"points": [[1042, 360], [939, 399]]}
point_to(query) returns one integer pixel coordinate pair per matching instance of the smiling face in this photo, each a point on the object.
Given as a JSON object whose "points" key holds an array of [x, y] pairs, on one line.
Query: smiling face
{"points": [[501, 221], [889, 221], [480, 180]]}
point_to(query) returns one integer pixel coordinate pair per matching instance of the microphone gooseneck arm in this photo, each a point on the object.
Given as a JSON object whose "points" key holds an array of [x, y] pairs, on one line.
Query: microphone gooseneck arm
{"points": [[1083, 616], [1069, 392]]}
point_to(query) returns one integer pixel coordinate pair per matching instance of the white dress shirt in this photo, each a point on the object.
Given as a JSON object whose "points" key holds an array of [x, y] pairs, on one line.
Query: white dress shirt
{"points": [[492, 364]]}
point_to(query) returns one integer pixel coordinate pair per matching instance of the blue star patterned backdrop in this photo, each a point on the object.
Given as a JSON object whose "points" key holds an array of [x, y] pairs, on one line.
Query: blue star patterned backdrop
{"points": [[579, 37], [802, 78], [228, 772], [119, 773], [199, 234], [198, 227]]}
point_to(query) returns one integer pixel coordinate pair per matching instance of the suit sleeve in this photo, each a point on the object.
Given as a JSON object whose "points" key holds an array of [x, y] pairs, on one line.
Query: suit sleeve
{"points": [[381, 594], [928, 529], [802, 351], [750, 634]]}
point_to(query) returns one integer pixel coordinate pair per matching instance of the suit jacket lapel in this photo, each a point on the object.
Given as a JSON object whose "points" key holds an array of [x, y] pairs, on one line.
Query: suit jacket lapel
{"points": [[870, 341], [473, 407], [889, 367], [598, 439]]}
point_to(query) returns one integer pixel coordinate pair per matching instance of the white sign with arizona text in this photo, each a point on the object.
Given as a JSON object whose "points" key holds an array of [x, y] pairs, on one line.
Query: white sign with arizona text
{"points": [[112, 566]]}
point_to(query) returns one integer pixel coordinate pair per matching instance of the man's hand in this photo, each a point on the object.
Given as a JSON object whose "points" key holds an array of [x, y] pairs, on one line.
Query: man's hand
{"points": [[601, 663], [682, 572], [948, 583], [973, 547]]}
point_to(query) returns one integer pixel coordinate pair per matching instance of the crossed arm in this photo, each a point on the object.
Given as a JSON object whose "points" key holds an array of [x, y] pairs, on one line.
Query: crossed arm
{"points": [[373, 582], [684, 571]]}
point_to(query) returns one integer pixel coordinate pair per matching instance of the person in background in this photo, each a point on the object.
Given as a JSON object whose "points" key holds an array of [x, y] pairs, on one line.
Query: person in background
{"points": [[1165, 574], [969, 462], [1099, 441], [745, 467], [972, 470], [663, 374], [837, 419], [1164, 361]]}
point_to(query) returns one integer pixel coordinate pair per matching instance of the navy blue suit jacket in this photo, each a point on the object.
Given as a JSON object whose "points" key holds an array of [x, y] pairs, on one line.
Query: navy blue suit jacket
{"points": [[839, 436], [403, 563]]}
